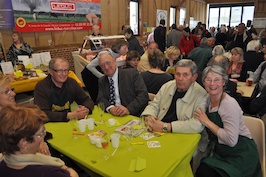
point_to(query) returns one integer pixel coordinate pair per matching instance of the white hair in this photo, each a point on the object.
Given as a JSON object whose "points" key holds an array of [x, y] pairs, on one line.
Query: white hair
{"points": [[253, 45]]}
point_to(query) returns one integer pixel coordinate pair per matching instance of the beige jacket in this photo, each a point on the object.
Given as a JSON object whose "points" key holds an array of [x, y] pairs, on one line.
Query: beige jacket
{"points": [[195, 97]]}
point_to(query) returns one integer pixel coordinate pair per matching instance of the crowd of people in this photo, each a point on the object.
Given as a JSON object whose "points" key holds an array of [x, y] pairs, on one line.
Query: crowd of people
{"points": [[199, 96]]}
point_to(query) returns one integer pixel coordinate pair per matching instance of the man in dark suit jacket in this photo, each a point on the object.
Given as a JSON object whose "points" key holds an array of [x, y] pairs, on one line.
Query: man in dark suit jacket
{"points": [[131, 96], [160, 35]]}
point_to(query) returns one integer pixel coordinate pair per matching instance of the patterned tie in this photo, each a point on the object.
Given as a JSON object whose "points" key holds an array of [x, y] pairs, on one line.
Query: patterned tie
{"points": [[112, 92]]}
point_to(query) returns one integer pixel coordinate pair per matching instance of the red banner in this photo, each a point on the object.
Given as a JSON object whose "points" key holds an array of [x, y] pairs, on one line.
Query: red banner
{"points": [[60, 15]]}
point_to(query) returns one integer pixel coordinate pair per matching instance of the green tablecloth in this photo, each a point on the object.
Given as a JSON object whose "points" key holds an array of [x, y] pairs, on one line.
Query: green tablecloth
{"points": [[171, 159]]}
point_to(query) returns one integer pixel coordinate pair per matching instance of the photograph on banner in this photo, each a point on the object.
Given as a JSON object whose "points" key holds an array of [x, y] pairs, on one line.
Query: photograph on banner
{"points": [[60, 15]]}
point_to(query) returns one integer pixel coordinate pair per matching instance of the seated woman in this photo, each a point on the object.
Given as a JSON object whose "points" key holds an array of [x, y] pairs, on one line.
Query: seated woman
{"points": [[172, 54], [132, 59], [154, 78], [233, 152], [19, 47], [21, 132], [8, 98], [236, 63]]}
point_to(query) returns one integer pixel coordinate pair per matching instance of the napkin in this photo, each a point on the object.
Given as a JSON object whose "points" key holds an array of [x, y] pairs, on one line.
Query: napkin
{"points": [[117, 123], [137, 164]]}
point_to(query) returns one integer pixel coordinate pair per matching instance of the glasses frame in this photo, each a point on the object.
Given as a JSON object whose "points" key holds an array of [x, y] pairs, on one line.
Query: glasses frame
{"points": [[7, 92], [216, 80], [41, 134], [61, 71]]}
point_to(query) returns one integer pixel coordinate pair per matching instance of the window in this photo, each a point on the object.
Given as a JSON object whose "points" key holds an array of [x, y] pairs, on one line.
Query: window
{"points": [[134, 16], [236, 16], [172, 15], [224, 16], [182, 18], [213, 18], [230, 14]]}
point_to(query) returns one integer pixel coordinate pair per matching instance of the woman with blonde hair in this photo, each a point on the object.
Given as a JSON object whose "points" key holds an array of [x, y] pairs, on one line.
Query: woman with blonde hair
{"points": [[172, 57], [236, 63], [19, 47]]}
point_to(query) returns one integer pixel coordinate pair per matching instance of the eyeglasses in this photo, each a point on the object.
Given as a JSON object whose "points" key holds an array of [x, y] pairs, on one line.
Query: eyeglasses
{"points": [[7, 92], [61, 71], [216, 80], [40, 135]]}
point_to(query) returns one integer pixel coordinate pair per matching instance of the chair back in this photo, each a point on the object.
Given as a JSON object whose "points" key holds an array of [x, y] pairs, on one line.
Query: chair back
{"points": [[257, 129]]}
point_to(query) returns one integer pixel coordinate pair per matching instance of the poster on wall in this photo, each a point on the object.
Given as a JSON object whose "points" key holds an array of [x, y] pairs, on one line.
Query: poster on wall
{"points": [[161, 14], [55, 15], [6, 15]]}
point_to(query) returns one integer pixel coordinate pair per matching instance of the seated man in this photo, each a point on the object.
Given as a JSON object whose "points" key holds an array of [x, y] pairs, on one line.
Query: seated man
{"points": [[172, 108], [122, 91], [144, 61], [57, 91]]}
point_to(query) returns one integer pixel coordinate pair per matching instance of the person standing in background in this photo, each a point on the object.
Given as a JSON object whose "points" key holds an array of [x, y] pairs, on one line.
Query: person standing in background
{"points": [[160, 35], [173, 37], [19, 47], [133, 43], [96, 44]]}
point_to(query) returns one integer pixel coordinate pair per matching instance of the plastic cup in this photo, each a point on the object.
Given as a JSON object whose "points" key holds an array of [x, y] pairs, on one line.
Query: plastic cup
{"points": [[82, 125], [90, 122], [111, 121], [250, 81], [115, 138]]}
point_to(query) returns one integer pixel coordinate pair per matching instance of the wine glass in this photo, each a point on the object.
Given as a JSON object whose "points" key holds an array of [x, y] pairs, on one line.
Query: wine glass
{"points": [[74, 126], [105, 144], [129, 136], [101, 109]]}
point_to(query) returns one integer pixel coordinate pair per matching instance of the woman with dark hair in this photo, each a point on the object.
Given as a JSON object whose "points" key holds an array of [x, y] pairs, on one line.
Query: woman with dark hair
{"points": [[132, 59], [233, 152], [19, 47], [21, 133], [154, 78]]}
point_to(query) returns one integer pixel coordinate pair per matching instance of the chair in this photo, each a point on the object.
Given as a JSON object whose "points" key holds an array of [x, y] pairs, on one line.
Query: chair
{"points": [[257, 130], [151, 96]]}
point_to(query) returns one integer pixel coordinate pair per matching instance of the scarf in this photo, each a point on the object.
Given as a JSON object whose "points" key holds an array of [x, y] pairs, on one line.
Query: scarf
{"points": [[31, 159]]}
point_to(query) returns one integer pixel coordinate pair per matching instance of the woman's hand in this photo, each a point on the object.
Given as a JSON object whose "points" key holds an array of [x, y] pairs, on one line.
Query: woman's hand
{"points": [[44, 149], [201, 116]]}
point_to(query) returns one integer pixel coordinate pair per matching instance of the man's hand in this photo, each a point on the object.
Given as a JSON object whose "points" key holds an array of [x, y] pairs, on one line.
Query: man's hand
{"points": [[119, 111], [79, 113], [153, 124]]}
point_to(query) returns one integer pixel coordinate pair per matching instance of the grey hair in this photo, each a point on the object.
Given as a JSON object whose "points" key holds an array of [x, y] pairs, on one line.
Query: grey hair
{"points": [[104, 52], [218, 50], [253, 45], [215, 69], [204, 41], [187, 63], [53, 60], [219, 60]]}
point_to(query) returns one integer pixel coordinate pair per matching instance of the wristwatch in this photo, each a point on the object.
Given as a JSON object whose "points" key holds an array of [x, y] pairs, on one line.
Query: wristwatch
{"points": [[165, 129]]}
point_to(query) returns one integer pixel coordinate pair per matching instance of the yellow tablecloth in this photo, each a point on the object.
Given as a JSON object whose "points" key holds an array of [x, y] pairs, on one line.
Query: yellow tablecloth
{"points": [[171, 159], [247, 90], [27, 85]]}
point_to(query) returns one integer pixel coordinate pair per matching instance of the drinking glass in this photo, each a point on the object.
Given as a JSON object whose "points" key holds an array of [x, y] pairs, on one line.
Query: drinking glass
{"points": [[74, 127], [129, 136], [101, 109], [105, 144]]}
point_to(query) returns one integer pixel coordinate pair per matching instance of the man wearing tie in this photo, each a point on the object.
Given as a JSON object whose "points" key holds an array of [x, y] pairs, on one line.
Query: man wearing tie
{"points": [[122, 91]]}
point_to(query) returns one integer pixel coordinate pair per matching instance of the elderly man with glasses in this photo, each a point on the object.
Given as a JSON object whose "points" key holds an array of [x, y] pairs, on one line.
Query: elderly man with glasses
{"points": [[57, 91]]}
